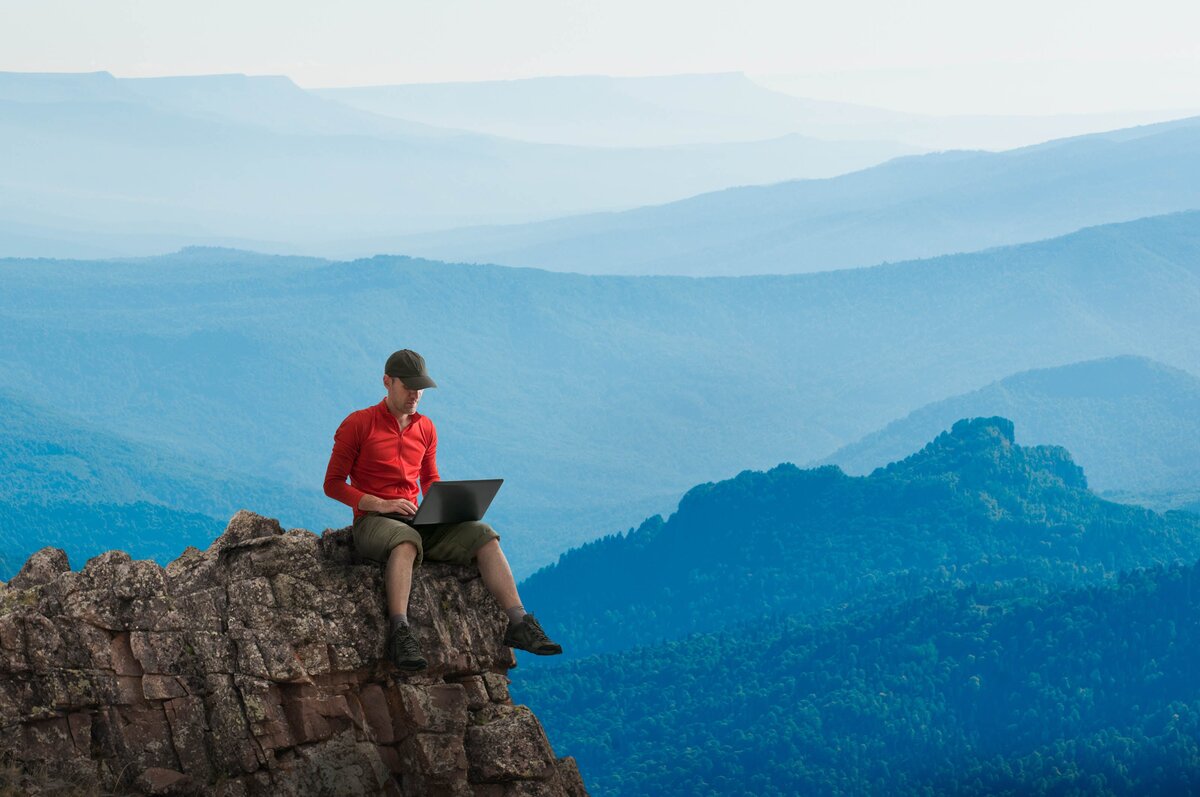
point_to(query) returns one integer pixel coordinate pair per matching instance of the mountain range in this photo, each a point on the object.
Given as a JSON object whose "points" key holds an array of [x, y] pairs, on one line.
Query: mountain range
{"points": [[101, 166], [968, 620], [911, 207], [1130, 422], [597, 110], [971, 506], [601, 400]]}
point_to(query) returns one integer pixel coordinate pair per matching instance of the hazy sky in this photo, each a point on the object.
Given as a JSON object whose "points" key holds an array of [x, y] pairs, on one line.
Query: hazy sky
{"points": [[931, 55]]}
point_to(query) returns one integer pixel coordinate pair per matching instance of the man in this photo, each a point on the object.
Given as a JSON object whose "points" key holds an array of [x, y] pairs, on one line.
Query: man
{"points": [[386, 450]]}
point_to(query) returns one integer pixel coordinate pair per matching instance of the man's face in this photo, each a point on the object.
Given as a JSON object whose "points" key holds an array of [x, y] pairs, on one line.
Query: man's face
{"points": [[400, 397]]}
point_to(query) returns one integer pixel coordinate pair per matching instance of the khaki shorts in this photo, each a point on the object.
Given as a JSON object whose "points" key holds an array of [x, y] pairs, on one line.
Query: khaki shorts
{"points": [[375, 536]]}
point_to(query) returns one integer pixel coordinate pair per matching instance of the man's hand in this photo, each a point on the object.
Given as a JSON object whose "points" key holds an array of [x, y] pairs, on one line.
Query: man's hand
{"points": [[399, 506]]}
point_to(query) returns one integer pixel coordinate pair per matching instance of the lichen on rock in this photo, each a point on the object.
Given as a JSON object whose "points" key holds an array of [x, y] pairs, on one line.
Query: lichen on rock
{"points": [[256, 667]]}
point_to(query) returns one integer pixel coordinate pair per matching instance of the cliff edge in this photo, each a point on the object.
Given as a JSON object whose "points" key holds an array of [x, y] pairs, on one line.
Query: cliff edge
{"points": [[256, 667]]}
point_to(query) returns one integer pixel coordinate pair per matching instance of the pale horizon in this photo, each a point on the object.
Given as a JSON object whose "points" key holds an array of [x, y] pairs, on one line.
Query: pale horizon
{"points": [[932, 56], [886, 89]]}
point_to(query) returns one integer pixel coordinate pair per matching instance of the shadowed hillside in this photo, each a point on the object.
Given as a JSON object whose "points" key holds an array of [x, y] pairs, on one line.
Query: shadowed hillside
{"points": [[969, 620], [967, 691]]}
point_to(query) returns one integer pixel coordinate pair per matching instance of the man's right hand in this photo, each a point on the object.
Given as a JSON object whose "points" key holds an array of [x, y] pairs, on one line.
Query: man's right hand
{"points": [[399, 506]]}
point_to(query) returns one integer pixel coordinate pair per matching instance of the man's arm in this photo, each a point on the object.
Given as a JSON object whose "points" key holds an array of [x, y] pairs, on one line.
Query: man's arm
{"points": [[429, 471], [346, 442]]}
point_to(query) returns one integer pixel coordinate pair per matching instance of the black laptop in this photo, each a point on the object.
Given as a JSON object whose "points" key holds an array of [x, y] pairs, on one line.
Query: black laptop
{"points": [[453, 502]]}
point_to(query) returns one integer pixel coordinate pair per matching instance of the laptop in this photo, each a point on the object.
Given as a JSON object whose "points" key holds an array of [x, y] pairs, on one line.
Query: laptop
{"points": [[453, 502]]}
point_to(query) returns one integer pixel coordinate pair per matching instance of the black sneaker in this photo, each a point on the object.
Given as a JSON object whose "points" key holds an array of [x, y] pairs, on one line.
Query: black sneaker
{"points": [[528, 635], [403, 650]]}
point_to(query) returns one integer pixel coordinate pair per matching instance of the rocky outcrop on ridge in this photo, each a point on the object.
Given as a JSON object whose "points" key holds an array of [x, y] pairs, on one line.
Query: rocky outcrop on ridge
{"points": [[256, 667]]}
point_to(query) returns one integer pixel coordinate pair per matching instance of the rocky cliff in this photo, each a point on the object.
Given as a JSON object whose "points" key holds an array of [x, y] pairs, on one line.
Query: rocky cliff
{"points": [[256, 667]]}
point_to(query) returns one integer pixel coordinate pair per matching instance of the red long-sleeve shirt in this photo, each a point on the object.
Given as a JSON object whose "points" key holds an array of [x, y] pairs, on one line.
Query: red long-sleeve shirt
{"points": [[380, 459]]}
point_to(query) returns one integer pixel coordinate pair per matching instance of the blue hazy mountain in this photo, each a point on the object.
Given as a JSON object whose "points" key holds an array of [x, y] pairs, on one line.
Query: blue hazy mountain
{"points": [[85, 490], [911, 207], [601, 400], [971, 506], [148, 531], [110, 165], [1132, 424], [272, 102], [674, 109], [972, 690]]}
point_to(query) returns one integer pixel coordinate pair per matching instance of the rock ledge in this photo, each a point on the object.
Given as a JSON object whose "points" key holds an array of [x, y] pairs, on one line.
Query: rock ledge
{"points": [[256, 667]]}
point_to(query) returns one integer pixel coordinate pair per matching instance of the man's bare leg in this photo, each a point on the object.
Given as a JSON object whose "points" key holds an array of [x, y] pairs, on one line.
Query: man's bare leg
{"points": [[397, 577], [402, 647], [524, 631], [497, 575]]}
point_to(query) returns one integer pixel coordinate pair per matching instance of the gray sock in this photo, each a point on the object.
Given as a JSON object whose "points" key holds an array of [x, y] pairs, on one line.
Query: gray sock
{"points": [[399, 619], [516, 615]]}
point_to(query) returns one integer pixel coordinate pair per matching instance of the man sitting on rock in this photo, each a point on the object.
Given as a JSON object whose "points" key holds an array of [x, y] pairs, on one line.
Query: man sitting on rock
{"points": [[385, 450]]}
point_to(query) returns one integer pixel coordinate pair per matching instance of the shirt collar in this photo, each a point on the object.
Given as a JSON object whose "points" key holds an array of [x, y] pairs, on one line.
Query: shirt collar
{"points": [[383, 410]]}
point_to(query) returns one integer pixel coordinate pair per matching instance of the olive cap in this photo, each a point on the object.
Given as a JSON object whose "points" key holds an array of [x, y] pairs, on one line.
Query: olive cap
{"points": [[409, 367]]}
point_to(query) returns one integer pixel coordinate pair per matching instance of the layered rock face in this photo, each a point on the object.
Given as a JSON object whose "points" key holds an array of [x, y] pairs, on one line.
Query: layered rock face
{"points": [[256, 667]]}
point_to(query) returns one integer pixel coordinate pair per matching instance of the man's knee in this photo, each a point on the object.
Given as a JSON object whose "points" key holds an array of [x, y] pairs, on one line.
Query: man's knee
{"points": [[403, 550]]}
